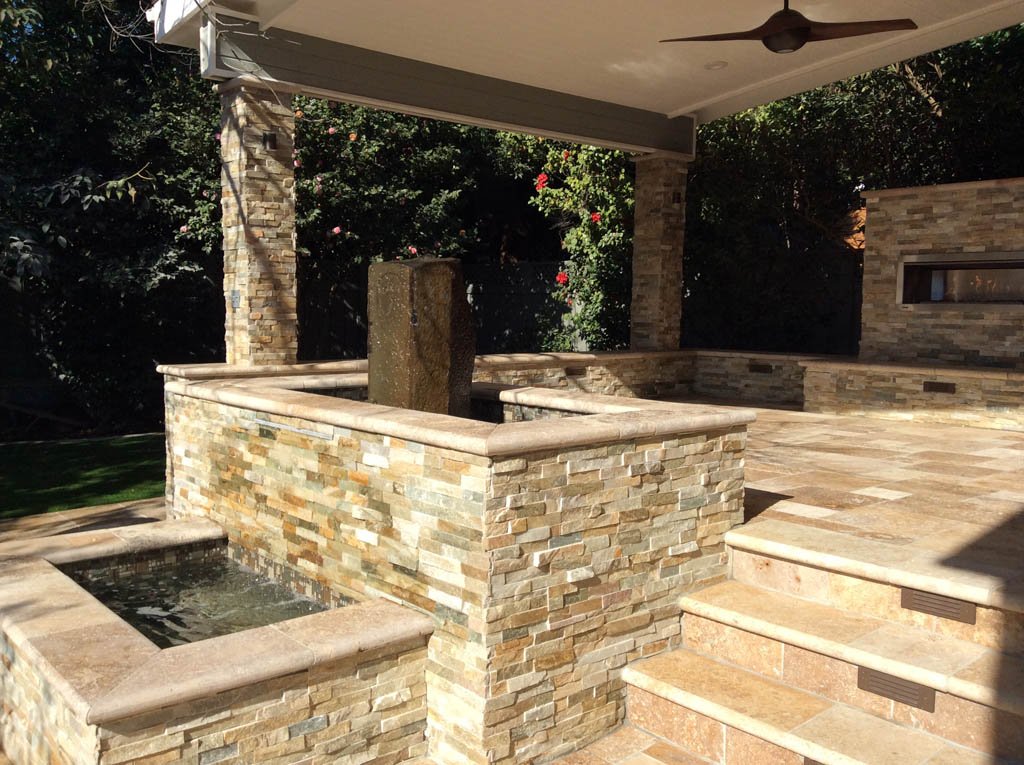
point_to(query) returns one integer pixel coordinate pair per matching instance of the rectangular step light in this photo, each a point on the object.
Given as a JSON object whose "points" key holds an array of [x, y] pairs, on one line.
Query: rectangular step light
{"points": [[933, 386], [939, 605], [896, 688]]}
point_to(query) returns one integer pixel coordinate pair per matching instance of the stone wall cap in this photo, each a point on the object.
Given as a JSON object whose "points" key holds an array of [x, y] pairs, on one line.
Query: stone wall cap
{"points": [[193, 671], [62, 549], [602, 419], [929, 370], [353, 366], [944, 188], [767, 355], [228, 371]]}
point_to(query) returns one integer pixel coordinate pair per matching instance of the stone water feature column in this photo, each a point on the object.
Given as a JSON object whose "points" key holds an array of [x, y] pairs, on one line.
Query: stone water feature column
{"points": [[422, 344], [659, 215], [258, 205]]}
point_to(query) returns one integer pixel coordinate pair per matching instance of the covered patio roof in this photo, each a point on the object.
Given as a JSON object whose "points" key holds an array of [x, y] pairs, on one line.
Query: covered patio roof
{"points": [[578, 69]]}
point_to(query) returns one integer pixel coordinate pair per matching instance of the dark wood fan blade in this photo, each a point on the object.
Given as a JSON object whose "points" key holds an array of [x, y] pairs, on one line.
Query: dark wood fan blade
{"points": [[821, 30], [752, 34]]}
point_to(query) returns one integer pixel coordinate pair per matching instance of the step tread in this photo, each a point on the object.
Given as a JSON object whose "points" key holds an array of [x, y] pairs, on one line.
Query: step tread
{"points": [[945, 663], [974, 580], [801, 722]]}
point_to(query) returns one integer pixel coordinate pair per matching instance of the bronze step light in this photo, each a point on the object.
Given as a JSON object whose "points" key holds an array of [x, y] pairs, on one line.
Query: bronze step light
{"points": [[939, 605], [896, 688]]}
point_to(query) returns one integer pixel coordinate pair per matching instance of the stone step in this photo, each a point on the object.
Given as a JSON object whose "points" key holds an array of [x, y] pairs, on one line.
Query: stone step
{"points": [[732, 716], [772, 559], [978, 693], [629, 746], [979, 578]]}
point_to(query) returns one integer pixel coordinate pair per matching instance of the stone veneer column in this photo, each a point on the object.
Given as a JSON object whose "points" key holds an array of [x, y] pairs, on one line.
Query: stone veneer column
{"points": [[659, 215], [258, 204]]}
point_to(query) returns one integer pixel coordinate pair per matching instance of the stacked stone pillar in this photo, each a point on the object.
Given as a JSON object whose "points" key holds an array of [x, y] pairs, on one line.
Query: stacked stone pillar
{"points": [[258, 205], [659, 216]]}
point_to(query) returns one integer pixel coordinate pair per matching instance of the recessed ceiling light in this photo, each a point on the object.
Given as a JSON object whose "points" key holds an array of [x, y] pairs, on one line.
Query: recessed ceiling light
{"points": [[714, 66]]}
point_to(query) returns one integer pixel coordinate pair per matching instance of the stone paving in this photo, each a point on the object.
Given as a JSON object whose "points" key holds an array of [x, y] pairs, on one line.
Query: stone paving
{"points": [[935, 492], [83, 519]]}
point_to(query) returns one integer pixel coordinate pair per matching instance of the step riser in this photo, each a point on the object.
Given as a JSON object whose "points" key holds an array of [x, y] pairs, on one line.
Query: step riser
{"points": [[995, 628], [955, 719], [700, 735]]}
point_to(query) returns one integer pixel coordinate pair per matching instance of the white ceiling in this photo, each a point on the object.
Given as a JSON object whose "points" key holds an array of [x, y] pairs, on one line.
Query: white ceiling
{"points": [[608, 49]]}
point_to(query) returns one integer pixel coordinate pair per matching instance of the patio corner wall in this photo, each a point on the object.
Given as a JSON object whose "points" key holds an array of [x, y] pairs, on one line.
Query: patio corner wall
{"points": [[958, 219], [547, 566]]}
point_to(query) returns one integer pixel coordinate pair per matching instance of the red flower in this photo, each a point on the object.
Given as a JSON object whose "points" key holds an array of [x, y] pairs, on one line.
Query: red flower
{"points": [[562, 277], [542, 181], [565, 155], [595, 217]]}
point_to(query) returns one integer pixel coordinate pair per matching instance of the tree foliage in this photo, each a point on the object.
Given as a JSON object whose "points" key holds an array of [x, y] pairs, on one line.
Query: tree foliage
{"points": [[768, 263], [110, 208]]}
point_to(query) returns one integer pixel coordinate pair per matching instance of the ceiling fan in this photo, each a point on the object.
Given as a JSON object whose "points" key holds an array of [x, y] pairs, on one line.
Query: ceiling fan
{"points": [[788, 30]]}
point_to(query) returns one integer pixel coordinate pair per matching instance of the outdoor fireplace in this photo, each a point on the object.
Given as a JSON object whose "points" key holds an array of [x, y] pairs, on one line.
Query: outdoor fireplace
{"points": [[967, 278]]}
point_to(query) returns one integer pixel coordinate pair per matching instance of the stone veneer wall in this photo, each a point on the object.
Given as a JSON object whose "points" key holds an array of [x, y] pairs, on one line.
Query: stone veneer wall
{"points": [[258, 209], [659, 218], [774, 378], [639, 375], [961, 218], [981, 398], [37, 726], [546, 573], [370, 710]]}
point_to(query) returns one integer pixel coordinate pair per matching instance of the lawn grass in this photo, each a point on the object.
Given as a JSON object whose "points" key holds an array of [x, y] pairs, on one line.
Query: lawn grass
{"points": [[60, 475]]}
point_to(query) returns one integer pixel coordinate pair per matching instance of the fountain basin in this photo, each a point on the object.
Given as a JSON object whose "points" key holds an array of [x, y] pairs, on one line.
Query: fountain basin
{"points": [[82, 685], [550, 538]]}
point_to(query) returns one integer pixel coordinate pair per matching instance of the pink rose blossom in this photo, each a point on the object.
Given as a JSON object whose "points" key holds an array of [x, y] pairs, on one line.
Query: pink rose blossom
{"points": [[412, 250], [336, 230], [183, 229], [332, 130]]}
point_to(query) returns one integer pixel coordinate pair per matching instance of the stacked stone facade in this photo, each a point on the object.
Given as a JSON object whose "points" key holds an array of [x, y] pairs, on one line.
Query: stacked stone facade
{"points": [[37, 724], [545, 572], [659, 217], [970, 218], [639, 375], [371, 710], [258, 207], [972, 397], [771, 378]]}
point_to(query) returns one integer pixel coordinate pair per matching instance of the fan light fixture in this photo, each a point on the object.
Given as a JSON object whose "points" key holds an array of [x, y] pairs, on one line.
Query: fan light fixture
{"points": [[788, 31]]}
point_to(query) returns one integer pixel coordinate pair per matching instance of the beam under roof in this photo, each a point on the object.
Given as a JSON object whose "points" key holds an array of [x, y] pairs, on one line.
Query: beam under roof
{"points": [[234, 47]]}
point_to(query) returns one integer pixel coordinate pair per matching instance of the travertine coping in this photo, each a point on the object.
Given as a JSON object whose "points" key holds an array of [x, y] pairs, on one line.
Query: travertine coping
{"points": [[229, 371], [762, 355], [87, 545], [942, 188], [604, 419], [107, 671], [929, 370], [486, 363]]}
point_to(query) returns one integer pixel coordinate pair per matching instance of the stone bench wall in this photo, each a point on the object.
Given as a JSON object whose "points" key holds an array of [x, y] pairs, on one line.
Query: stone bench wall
{"points": [[636, 375], [772, 378], [982, 398]]}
